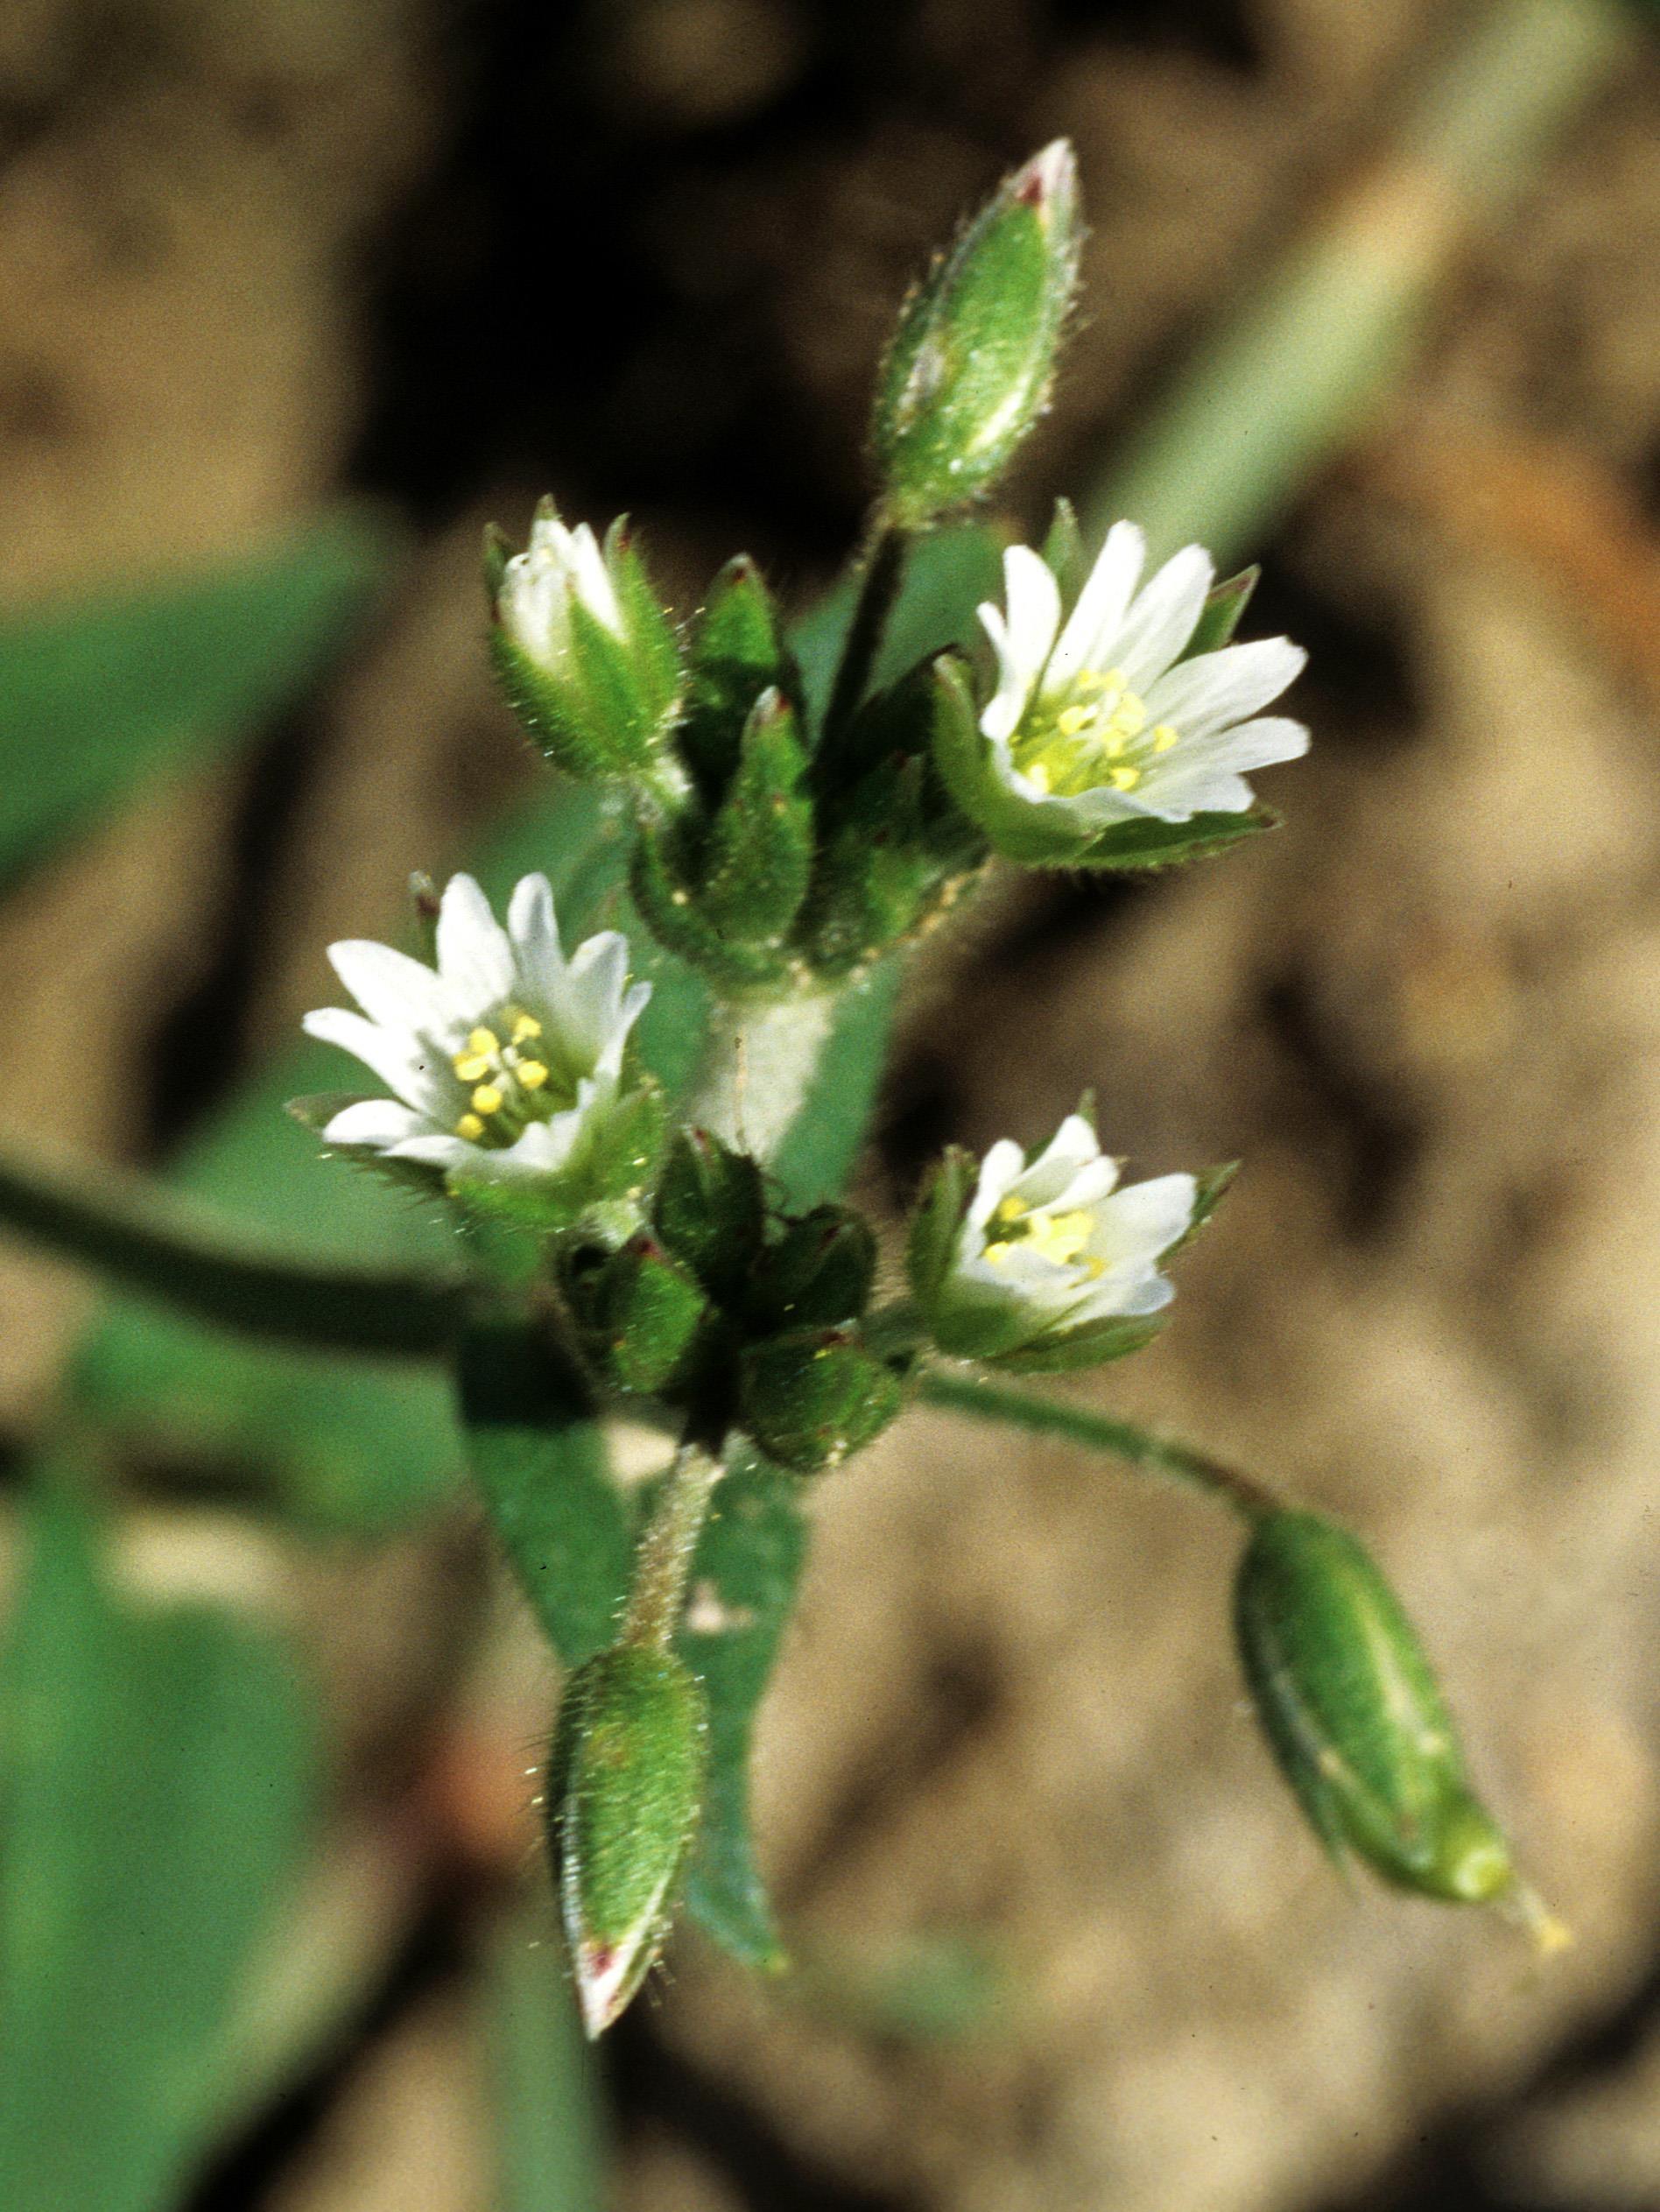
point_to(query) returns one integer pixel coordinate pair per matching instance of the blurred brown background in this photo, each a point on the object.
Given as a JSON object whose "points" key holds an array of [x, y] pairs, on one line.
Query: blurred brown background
{"points": [[256, 253]]}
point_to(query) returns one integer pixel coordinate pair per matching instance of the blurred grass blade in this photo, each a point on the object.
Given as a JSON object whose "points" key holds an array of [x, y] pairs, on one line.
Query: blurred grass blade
{"points": [[1314, 350], [97, 694], [156, 1781], [539, 1460], [159, 1246], [550, 2147], [742, 1592]]}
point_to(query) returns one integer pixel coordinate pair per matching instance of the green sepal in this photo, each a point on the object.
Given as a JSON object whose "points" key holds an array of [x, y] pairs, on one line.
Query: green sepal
{"points": [[646, 1312], [754, 868], [1063, 552], [970, 366], [1019, 829], [1220, 615], [1211, 1187], [819, 1272], [624, 1786], [1354, 1715], [812, 1397], [627, 717], [600, 1188], [497, 556], [710, 1211], [315, 1111], [930, 1242], [1063, 1351], [737, 652], [551, 712], [660, 671], [1166, 844], [662, 878]]}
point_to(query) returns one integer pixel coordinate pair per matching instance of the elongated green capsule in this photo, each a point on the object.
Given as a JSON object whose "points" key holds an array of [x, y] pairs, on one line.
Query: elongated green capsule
{"points": [[971, 363], [625, 1789], [1357, 1720]]}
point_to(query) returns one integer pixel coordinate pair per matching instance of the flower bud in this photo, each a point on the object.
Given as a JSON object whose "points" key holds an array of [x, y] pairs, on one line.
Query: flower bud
{"points": [[970, 366], [819, 1272], [811, 1396], [710, 1210], [585, 652], [736, 652], [624, 1788], [1355, 1718], [647, 1310]]}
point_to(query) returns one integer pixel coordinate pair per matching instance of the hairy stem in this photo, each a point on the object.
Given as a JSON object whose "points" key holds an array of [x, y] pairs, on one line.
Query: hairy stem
{"points": [[151, 1244], [879, 587], [758, 1062], [663, 1562], [1142, 1447]]}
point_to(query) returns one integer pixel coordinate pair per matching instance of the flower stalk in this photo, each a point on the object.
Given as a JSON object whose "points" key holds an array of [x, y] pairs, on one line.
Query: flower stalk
{"points": [[663, 1563]]}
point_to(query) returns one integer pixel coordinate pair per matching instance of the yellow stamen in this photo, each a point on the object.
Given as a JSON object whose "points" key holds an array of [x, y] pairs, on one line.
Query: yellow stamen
{"points": [[527, 1028], [1038, 774], [483, 1040], [1130, 716], [1060, 1237], [472, 1067], [1163, 737], [1124, 778], [1071, 720], [1012, 1210], [470, 1127], [487, 1099], [532, 1073]]}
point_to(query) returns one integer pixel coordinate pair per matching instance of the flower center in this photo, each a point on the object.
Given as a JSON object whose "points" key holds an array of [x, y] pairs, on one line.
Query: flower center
{"points": [[1100, 735], [513, 1083], [1056, 1237]]}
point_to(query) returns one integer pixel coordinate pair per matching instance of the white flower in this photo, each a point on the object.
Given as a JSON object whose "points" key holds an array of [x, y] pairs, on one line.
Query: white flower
{"points": [[1053, 1245], [1100, 722], [499, 1061], [538, 585]]}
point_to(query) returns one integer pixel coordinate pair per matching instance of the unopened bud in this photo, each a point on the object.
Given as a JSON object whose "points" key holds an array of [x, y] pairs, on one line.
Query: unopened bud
{"points": [[710, 1210], [624, 1788], [812, 1397], [647, 1311], [1357, 1720], [970, 367]]}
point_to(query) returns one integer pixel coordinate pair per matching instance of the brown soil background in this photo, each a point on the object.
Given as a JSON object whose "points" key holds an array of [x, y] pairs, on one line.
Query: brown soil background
{"points": [[645, 254]]}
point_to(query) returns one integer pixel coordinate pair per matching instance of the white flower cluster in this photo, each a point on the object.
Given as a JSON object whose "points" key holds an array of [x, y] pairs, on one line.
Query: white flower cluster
{"points": [[501, 1059]]}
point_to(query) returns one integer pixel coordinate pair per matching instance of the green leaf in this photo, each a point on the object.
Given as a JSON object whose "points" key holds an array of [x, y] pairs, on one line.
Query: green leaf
{"points": [[743, 1585], [97, 694], [948, 574], [157, 1783], [538, 1458]]}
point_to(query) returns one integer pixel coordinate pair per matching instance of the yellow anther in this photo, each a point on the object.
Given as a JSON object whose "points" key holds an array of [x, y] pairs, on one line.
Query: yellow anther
{"points": [[1163, 737], [483, 1040], [532, 1073], [487, 1099], [1012, 1210], [1090, 680], [1124, 778], [1000, 1250], [1071, 720], [470, 1127], [527, 1028], [1059, 1236], [472, 1067], [1130, 716], [1038, 774]]}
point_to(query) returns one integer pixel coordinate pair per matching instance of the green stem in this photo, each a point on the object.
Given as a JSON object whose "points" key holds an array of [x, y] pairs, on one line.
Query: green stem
{"points": [[879, 587], [663, 1563], [1142, 1448], [153, 1244]]}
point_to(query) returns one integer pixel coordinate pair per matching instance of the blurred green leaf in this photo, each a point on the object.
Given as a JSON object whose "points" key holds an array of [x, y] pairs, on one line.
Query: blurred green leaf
{"points": [[156, 1779], [550, 2149], [95, 694], [948, 574], [743, 1591], [540, 1462]]}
